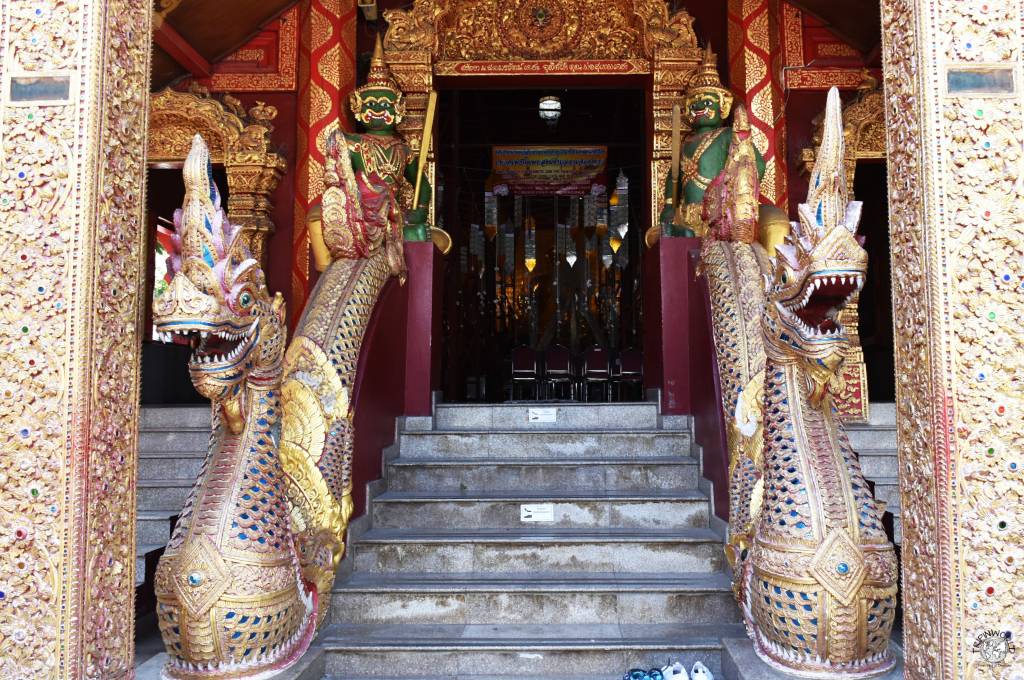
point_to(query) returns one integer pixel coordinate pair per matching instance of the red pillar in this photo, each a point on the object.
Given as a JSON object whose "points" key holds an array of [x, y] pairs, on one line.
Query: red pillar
{"points": [[668, 276], [423, 327], [755, 65], [327, 74]]}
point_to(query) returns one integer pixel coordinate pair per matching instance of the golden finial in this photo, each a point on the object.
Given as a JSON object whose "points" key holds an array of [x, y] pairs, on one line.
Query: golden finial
{"points": [[380, 73]]}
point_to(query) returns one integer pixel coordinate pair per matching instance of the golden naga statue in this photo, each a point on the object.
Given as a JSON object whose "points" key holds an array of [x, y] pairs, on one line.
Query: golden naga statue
{"points": [[230, 599], [357, 241], [821, 578], [813, 569]]}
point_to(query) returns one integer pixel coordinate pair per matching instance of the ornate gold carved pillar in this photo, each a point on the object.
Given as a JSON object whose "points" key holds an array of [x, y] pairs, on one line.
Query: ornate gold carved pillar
{"points": [[253, 174], [955, 118], [672, 69], [73, 97], [238, 139]]}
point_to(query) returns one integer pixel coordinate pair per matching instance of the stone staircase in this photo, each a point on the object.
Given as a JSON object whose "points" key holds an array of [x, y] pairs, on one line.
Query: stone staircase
{"points": [[173, 441], [444, 578], [875, 442]]}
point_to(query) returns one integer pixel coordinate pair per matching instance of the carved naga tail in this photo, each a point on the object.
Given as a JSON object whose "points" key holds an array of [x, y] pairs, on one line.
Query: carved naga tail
{"points": [[733, 262], [230, 599], [360, 229], [822, 573]]}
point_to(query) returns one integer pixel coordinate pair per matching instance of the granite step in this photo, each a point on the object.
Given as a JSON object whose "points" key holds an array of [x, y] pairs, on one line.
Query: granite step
{"points": [[154, 526], [887, 489], [180, 465], [142, 551], [530, 550], [161, 494], [173, 417], [531, 417], [882, 413], [571, 508], [452, 650], [479, 598], [175, 439], [875, 463], [872, 436], [542, 474], [568, 444]]}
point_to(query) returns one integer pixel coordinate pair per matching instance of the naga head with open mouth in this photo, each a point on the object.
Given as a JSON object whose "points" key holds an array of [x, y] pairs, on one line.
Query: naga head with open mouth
{"points": [[218, 298], [820, 268]]}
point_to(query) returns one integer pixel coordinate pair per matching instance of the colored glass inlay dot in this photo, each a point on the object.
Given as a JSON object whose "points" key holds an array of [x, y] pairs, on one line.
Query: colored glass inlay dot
{"points": [[24, 432], [34, 491], [1013, 466], [980, 113], [974, 605], [195, 579], [21, 174], [842, 568], [31, 116], [20, 534], [991, 316], [1002, 525], [990, 590], [2, 594], [1001, 410], [991, 451], [981, 377]]}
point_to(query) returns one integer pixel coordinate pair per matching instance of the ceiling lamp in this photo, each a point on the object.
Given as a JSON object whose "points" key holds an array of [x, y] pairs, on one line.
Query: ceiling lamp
{"points": [[550, 110]]}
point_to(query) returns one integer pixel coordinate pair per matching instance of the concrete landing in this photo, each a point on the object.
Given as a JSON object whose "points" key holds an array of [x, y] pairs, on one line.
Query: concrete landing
{"points": [[309, 667], [741, 662]]}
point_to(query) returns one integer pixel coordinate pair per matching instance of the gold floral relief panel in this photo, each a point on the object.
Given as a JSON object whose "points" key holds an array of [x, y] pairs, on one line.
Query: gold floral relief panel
{"points": [[480, 30], [957, 235], [982, 182], [922, 597], [72, 133]]}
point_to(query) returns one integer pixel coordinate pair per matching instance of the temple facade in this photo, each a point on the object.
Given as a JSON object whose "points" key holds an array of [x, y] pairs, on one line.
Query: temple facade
{"points": [[512, 339]]}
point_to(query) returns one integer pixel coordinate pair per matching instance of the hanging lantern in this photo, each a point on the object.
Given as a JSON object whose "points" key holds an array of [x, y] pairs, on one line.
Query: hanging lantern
{"points": [[606, 252], [615, 241], [589, 215], [530, 249], [490, 215], [570, 254], [509, 237], [619, 201], [550, 110], [601, 217]]}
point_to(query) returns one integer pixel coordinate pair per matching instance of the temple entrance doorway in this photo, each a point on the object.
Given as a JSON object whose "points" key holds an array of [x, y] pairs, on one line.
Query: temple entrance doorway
{"points": [[544, 191]]}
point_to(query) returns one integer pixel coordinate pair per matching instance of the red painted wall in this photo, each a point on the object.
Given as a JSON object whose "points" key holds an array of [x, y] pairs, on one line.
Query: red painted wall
{"points": [[706, 393], [379, 391]]}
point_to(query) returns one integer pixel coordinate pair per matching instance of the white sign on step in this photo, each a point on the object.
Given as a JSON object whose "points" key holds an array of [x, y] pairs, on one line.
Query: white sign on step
{"points": [[543, 415], [541, 512]]}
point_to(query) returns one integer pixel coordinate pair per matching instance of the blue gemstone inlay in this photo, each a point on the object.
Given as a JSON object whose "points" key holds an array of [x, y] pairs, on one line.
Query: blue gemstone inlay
{"points": [[843, 568]]}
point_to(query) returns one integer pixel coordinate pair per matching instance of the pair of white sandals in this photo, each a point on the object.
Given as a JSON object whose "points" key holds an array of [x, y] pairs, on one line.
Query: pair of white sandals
{"points": [[677, 671]]}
